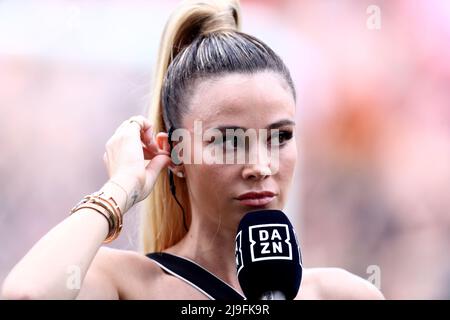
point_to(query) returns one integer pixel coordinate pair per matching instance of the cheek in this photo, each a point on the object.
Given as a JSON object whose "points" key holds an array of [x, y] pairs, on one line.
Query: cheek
{"points": [[209, 181], [288, 161], [291, 159]]}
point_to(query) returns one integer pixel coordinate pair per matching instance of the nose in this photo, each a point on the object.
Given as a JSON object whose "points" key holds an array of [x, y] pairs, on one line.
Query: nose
{"points": [[256, 172], [259, 168]]}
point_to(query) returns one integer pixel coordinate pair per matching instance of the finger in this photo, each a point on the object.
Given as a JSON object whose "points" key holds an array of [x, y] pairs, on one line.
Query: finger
{"points": [[124, 124], [150, 153], [152, 147], [146, 122], [147, 136], [158, 163], [134, 121], [142, 121], [138, 125]]}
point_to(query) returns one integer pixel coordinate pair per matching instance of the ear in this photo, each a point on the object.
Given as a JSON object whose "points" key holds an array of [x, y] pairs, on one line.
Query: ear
{"points": [[162, 142]]}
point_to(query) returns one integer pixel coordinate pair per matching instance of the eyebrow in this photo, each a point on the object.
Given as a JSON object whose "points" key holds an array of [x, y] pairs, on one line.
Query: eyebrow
{"points": [[274, 125]]}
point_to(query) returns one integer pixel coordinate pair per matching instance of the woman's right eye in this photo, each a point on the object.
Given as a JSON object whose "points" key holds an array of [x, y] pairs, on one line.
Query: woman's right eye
{"points": [[231, 142], [228, 142]]}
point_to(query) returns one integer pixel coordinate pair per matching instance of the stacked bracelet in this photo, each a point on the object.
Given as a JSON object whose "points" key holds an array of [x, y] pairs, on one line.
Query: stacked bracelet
{"points": [[107, 207]]}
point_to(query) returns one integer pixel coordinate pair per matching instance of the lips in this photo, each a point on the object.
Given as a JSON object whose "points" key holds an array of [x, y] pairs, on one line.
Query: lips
{"points": [[256, 199]]}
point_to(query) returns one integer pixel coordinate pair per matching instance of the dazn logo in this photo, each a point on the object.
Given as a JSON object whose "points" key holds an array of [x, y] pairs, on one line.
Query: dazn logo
{"points": [[270, 242]]}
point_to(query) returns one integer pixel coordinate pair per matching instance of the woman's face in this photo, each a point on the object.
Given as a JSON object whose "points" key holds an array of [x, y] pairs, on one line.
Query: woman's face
{"points": [[259, 101]]}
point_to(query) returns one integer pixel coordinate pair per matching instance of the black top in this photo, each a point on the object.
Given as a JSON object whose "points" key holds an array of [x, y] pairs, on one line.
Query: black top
{"points": [[195, 275]]}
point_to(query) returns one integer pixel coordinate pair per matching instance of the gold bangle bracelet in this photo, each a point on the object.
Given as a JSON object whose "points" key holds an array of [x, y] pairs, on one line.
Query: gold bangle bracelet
{"points": [[104, 212], [112, 215], [99, 196], [108, 208]]}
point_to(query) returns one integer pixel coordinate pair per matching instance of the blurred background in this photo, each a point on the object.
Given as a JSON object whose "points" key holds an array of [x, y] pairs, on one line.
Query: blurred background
{"points": [[371, 193]]}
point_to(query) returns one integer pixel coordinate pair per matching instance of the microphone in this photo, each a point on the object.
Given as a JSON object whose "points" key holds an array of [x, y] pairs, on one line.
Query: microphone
{"points": [[268, 258]]}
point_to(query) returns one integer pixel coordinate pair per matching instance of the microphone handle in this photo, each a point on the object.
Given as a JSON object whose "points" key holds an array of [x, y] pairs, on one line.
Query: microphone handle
{"points": [[273, 295]]}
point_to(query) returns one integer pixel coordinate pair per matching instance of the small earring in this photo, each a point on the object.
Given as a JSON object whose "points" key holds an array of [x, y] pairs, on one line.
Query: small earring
{"points": [[180, 174]]}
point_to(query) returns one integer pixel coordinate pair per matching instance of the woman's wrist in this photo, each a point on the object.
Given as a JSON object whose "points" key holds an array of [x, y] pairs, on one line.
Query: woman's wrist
{"points": [[124, 190]]}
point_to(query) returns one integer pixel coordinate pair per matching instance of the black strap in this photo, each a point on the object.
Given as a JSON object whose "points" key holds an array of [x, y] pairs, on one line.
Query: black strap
{"points": [[196, 276]]}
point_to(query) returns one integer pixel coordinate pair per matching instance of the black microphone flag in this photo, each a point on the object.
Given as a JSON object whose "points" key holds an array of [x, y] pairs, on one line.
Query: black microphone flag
{"points": [[268, 258]]}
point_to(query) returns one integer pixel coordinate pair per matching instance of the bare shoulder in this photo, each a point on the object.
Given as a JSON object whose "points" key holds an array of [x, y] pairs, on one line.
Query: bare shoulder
{"points": [[126, 265], [114, 272], [107, 257], [336, 283], [130, 275]]}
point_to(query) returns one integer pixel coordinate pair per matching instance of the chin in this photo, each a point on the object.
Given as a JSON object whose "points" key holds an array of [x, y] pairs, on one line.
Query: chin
{"points": [[270, 206]]}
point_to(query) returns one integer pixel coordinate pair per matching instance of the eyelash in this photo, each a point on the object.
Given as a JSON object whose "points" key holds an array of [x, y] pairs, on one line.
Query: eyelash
{"points": [[284, 135]]}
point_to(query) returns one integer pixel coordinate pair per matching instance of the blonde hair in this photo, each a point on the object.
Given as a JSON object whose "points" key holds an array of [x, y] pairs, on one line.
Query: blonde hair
{"points": [[201, 39]]}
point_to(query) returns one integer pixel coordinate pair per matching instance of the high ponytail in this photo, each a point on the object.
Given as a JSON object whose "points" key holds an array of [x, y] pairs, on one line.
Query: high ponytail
{"points": [[201, 39], [190, 20]]}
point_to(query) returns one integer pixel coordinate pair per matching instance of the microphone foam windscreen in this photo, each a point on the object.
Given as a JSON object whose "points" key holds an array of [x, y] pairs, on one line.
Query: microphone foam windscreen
{"points": [[267, 255]]}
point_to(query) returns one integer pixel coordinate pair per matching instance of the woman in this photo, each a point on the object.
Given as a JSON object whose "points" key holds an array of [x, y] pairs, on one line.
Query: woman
{"points": [[207, 71]]}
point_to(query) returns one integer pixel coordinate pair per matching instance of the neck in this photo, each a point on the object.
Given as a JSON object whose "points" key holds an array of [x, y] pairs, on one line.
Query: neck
{"points": [[212, 246]]}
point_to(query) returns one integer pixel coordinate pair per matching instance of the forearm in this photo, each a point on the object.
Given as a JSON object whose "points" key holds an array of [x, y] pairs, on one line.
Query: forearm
{"points": [[59, 261]]}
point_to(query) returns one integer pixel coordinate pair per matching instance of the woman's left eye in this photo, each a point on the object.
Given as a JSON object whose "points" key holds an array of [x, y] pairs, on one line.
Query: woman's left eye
{"points": [[280, 137]]}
